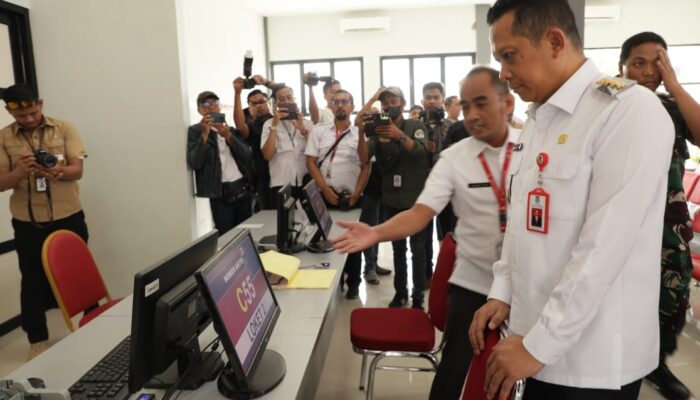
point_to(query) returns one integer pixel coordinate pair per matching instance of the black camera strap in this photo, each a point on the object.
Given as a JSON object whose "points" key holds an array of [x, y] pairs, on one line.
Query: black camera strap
{"points": [[332, 149], [29, 188]]}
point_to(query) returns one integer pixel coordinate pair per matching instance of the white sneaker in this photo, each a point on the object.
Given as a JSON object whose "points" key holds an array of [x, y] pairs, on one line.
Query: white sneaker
{"points": [[37, 348]]}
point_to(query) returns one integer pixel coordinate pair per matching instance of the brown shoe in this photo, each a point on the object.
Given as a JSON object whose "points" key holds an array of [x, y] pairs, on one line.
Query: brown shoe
{"points": [[37, 348]]}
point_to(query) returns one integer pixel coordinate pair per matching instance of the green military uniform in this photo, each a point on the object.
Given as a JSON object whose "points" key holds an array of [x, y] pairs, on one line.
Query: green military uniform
{"points": [[404, 180], [676, 264]]}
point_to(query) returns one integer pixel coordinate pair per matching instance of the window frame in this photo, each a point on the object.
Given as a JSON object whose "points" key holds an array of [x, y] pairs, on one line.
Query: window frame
{"points": [[411, 58], [331, 61]]}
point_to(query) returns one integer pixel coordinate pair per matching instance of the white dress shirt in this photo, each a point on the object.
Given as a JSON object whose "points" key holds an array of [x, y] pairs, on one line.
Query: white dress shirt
{"points": [[326, 116], [229, 168], [586, 295], [459, 177], [288, 165], [343, 168]]}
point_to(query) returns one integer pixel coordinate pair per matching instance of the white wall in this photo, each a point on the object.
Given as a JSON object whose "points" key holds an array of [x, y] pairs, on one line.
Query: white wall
{"points": [[413, 31]]}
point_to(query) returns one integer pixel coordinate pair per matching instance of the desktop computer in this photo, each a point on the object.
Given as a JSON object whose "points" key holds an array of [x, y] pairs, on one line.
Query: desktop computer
{"points": [[286, 238], [244, 310], [317, 212]]}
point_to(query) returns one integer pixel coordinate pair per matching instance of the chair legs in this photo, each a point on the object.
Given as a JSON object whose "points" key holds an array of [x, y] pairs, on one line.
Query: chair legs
{"points": [[362, 371], [373, 366]]}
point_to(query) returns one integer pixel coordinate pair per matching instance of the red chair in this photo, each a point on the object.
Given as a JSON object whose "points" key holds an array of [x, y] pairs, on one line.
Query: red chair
{"points": [[74, 278], [404, 332], [694, 257], [690, 180], [476, 377]]}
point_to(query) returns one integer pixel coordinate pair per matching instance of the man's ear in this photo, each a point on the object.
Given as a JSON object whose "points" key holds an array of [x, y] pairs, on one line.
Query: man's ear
{"points": [[620, 68], [556, 41]]}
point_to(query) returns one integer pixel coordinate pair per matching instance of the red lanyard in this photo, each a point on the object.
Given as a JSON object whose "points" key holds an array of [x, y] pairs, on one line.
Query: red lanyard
{"points": [[337, 135], [500, 192]]}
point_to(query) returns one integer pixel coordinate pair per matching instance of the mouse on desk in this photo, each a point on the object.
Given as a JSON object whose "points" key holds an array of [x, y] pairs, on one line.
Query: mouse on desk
{"points": [[37, 383]]}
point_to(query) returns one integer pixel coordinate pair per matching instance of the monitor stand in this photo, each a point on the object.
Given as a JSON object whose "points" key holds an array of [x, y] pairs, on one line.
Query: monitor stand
{"points": [[319, 245], [207, 366], [268, 375]]}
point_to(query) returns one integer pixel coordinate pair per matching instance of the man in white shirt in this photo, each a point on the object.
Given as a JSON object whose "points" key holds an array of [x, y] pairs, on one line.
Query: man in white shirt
{"points": [[334, 163], [327, 116], [453, 108], [283, 143], [581, 291], [471, 175]]}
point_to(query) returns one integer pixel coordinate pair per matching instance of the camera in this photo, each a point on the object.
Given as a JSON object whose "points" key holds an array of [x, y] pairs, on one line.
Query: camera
{"points": [[45, 159], [291, 109], [343, 200], [218, 118], [432, 116], [377, 119], [313, 79], [248, 82]]}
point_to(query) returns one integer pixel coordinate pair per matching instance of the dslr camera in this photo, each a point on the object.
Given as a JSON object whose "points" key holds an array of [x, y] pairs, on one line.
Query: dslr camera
{"points": [[248, 82], [45, 159], [291, 109], [343, 200], [432, 116], [313, 79], [378, 119]]}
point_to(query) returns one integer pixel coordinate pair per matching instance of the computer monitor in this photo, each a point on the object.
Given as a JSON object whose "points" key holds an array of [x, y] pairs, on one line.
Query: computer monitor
{"points": [[167, 316], [286, 238], [244, 310], [318, 213]]}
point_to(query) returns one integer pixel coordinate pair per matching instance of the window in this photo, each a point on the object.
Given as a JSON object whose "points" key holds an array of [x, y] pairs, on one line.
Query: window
{"points": [[410, 73], [348, 71]]}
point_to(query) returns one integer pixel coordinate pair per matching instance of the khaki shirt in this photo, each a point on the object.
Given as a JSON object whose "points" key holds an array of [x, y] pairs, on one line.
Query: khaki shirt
{"points": [[58, 138]]}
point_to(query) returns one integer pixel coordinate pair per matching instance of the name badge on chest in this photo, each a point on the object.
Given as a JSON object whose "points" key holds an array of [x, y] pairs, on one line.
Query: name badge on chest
{"points": [[40, 184], [538, 202]]}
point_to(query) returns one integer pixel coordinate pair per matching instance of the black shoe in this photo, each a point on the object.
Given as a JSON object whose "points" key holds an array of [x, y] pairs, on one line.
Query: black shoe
{"points": [[667, 384], [352, 293], [383, 271], [399, 300]]}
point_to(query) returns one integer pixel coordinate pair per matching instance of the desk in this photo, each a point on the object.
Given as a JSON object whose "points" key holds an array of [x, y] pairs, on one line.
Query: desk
{"points": [[302, 334]]}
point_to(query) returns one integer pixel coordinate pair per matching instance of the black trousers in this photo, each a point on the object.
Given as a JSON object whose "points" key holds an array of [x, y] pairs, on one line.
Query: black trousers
{"points": [[228, 215], [538, 390], [35, 293], [353, 263], [457, 353]]}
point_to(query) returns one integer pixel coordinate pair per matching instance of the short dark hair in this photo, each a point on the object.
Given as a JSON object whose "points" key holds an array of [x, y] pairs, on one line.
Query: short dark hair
{"points": [[341, 91], [500, 85], [434, 85], [416, 107], [19, 92], [255, 93], [636, 40], [533, 17], [450, 100], [277, 88], [328, 85]]}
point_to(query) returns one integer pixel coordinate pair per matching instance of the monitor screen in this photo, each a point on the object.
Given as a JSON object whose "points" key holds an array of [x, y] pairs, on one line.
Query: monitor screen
{"points": [[242, 304], [318, 209], [147, 357]]}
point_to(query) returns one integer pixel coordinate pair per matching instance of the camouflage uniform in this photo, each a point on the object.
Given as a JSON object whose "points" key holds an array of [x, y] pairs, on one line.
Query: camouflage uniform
{"points": [[676, 264]]}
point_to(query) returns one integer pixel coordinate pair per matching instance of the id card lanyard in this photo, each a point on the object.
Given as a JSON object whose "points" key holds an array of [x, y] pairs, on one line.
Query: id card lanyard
{"points": [[538, 201], [499, 191]]}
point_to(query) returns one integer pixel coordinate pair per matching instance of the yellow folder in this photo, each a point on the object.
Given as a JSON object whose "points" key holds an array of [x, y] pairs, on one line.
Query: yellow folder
{"points": [[283, 272]]}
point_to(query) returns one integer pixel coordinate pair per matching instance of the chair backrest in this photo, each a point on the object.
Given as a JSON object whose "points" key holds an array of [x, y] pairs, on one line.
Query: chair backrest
{"points": [[693, 195], [690, 180], [75, 280], [474, 386], [437, 300], [696, 222]]}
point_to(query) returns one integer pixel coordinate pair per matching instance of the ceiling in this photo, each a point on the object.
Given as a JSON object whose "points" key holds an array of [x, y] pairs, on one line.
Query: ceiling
{"points": [[287, 7]]}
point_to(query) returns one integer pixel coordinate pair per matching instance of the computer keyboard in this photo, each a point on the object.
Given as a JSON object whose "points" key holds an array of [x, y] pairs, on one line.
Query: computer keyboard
{"points": [[108, 379], [272, 239]]}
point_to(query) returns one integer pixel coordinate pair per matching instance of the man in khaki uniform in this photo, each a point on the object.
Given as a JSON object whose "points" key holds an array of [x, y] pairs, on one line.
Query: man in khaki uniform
{"points": [[41, 160]]}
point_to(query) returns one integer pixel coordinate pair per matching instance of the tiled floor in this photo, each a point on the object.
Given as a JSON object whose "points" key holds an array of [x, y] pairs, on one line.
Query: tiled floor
{"points": [[341, 372]]}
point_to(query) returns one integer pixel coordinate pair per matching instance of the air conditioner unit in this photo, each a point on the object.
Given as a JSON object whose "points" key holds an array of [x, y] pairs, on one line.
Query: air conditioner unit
{"points": [[602, 13], [363, 25]]}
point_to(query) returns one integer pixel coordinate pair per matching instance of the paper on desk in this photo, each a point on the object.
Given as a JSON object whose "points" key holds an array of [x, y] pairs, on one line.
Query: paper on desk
{"points": [[286, 273]]}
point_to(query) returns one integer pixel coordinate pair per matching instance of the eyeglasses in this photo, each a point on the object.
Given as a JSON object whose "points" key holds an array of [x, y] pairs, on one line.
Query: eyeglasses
{"points": [[341, 102], [259, 102], [210, 103], [14, 105]]}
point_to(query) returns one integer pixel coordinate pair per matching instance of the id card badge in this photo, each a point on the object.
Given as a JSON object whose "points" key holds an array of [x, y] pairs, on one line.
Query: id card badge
{"points": [[326, 170], [40, 184], [538, 211], [397, 181]]}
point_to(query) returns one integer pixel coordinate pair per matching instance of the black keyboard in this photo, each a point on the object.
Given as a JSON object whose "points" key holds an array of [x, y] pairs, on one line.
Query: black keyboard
{"points": [[272, 239], [108, 379]]}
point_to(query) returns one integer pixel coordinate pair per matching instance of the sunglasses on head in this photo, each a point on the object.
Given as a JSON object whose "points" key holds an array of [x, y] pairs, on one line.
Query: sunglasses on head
{"points": [[14, 105]]}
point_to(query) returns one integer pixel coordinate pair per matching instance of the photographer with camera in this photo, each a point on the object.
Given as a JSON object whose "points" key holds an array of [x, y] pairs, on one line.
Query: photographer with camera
{"points": [[330, 87], [340, 172], [41, 160], [222, 165], [250, 130], [283, 143], [400, 150]]}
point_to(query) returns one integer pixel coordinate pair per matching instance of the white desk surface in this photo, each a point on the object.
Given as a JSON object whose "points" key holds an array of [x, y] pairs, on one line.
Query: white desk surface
{"points": [[302, 333]]}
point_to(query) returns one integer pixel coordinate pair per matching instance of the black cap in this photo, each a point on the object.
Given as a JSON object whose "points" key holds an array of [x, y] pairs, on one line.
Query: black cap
{"points": [[204, 96], [19, 92]]}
